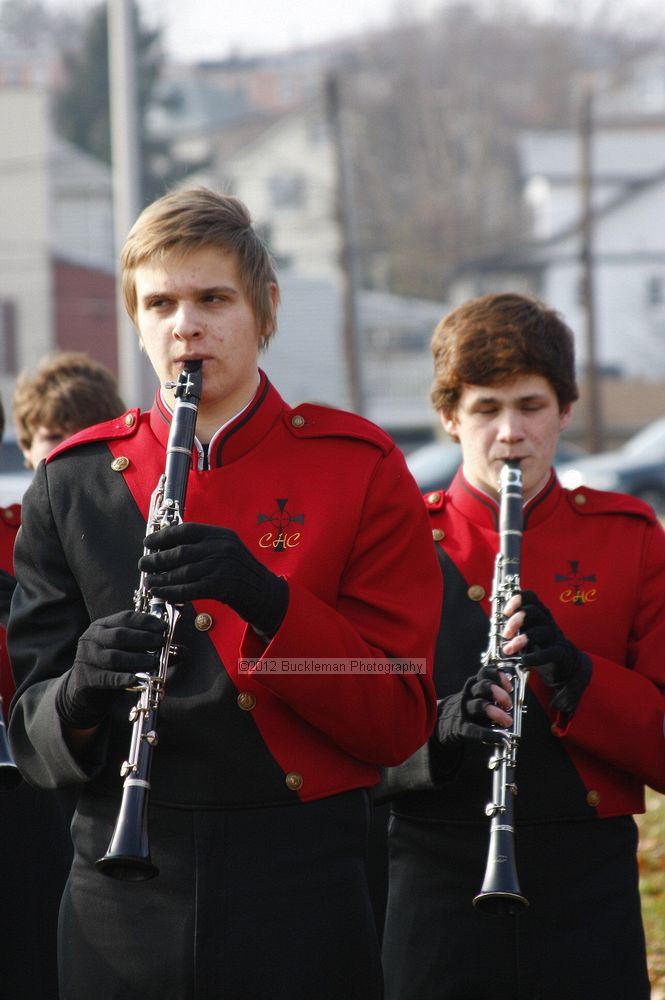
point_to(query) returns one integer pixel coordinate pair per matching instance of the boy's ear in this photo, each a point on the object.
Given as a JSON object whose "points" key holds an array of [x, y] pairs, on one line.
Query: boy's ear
{"points": [[449, 425], [565, 416]]}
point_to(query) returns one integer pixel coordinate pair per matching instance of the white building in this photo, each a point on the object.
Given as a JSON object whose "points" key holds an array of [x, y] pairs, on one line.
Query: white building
{"points": [[627, 245], [56, 242], [26, 278]]}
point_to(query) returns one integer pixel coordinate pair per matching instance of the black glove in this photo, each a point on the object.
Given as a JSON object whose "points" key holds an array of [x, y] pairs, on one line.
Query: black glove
{"points": [[109, 655], [561, 665], [189, 562], [462, 716], [7, 588]]}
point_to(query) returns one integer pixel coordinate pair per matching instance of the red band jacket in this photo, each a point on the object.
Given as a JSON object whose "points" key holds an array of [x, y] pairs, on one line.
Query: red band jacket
{"points": [[597, 561], [10, 519], [324, 499]]}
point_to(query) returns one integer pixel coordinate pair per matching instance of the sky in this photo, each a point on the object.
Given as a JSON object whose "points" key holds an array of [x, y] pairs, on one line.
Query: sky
{"points": [[201, 29], [204, 28]]}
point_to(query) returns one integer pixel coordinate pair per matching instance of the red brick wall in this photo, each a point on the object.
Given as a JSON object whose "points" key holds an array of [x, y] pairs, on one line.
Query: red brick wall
{"points": [[85, 311]]}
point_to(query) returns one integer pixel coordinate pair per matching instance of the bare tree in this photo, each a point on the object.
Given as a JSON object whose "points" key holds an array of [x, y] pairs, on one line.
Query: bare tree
{"points": [[437, 108]]}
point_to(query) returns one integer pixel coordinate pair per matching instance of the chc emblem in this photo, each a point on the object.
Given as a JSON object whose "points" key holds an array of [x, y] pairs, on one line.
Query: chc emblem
{"points": [[577, 593], [281, 537]]}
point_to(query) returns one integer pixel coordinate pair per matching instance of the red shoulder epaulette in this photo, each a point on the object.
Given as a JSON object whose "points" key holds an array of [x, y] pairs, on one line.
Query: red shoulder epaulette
{"points": [[585, 500], [11, 516], [311, 421], [123, 426]]}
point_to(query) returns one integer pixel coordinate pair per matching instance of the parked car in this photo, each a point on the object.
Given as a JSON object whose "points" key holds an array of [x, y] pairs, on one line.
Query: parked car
{"points": [[637, 468], [434, 465]]}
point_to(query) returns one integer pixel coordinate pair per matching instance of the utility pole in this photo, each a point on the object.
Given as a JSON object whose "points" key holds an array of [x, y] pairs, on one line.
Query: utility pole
{"points": [[594, 434], [126, 182], [347, 216]]}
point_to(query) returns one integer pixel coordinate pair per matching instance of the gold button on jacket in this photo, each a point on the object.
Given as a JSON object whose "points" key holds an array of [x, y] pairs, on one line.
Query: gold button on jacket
{"points": [[476, 592]]}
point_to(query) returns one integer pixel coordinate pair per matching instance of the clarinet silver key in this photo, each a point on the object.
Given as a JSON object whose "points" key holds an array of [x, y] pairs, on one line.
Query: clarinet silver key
{"points": [[500, 892], [128, 854]]}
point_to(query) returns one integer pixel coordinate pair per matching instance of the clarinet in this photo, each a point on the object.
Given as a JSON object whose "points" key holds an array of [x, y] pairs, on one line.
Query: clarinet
{"points": [[500, 893], [128, 854]]}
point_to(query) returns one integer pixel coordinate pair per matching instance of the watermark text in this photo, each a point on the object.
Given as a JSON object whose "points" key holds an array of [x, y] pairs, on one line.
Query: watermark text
{"points": [[325, 665]]}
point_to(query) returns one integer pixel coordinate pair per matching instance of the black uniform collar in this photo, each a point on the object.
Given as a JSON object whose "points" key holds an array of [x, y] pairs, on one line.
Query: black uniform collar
{"points": [[240, 435], [483, 510]]}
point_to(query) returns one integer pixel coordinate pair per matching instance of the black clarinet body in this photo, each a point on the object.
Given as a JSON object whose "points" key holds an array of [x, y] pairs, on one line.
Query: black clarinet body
{"points": [[500, 893], [128, 855]]}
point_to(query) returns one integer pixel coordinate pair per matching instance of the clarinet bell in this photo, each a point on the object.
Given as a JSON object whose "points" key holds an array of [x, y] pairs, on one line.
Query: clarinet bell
{"points": [[10, 776], [128, 856], [500, 894]]}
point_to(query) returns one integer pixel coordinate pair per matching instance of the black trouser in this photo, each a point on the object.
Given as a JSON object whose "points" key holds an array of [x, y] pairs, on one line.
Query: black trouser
{"points": [[580, 939], [253, 904], [35, 853]]}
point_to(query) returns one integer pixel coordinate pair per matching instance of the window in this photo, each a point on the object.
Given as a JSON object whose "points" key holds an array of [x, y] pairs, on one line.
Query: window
{"points": [[655, 290], [7, 337]]}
